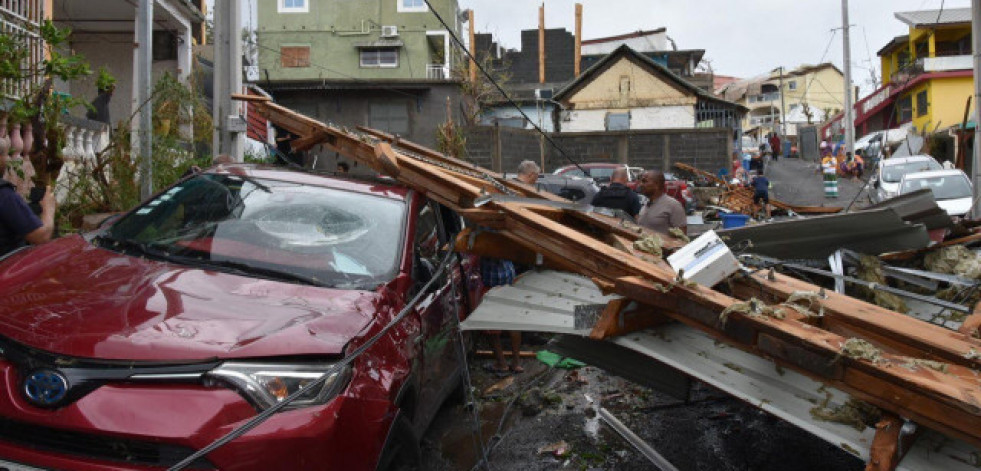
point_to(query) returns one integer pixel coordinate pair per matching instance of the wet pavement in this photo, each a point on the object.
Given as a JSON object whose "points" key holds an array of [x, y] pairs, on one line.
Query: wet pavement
{"points": [[799, 182]]}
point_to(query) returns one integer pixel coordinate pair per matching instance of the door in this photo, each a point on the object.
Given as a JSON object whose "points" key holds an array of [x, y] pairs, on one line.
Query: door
{"points": [[438, 342]]}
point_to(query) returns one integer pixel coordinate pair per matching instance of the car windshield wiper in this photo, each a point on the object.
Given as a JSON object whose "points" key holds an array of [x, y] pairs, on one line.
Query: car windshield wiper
{"points": [[149, 249], [247, 269]]}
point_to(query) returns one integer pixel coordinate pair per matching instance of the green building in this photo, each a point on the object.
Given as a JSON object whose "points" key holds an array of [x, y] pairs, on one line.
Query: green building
{"points": [[381, 63]]}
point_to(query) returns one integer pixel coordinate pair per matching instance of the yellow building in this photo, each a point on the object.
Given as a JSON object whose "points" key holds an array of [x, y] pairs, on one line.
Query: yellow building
{"points": [[926, 75], [810, 94]]}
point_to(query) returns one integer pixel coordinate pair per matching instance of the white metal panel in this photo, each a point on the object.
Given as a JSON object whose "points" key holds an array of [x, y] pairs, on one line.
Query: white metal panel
{"points": [[785, 394], [662, 117]]}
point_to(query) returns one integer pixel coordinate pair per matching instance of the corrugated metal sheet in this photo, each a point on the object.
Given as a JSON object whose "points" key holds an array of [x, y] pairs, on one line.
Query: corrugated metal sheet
{"points": [[930, 17], [545, 302], [869, 232], [537, 302]]}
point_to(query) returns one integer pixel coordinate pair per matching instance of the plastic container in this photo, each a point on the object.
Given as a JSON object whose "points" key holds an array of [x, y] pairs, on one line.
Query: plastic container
{"points": [[730, 221]]}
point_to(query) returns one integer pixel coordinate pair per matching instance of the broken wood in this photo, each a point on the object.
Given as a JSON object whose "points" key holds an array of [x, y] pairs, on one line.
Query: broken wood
{"points": [[948, 401], [622, 316], [889, 445]]}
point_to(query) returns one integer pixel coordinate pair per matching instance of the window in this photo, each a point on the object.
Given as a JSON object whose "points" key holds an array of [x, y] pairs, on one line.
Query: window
{"points": [[389, 117], [921, 103], [411, 6], [294, 56], [380, 57], [617, 121], [792, 85], [294, 6], [905, 109]]}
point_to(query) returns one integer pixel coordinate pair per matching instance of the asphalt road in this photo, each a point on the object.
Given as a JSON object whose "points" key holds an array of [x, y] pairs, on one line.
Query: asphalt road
{"points": [[799, 182]]}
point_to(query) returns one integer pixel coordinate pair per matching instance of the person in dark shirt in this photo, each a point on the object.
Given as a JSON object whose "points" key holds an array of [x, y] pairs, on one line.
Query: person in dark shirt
{"points": [[617, 195], [761, 191], [18, 224]]}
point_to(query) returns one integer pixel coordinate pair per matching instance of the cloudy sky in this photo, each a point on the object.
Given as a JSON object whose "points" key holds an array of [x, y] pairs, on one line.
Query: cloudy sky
{"points": [[740, 37]]}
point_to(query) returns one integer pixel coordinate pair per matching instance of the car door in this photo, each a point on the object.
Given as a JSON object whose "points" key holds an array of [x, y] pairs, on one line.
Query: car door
{"points": [[437, 343]]}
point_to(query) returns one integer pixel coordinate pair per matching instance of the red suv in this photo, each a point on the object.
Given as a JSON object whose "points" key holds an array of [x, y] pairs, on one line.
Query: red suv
{"points": [[601, 173], [136, 345]]}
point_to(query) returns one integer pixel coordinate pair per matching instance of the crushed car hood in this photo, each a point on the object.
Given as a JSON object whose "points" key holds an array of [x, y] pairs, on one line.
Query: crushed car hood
{"points": [[71, 298]]}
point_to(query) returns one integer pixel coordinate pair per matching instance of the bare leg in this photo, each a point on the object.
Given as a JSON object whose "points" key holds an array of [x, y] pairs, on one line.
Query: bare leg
{"points": [[516, 351], [495, 341]]}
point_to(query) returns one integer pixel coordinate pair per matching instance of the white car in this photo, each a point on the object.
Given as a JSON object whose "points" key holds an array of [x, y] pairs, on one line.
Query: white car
{"points": [[885, 182], [951, 188]]}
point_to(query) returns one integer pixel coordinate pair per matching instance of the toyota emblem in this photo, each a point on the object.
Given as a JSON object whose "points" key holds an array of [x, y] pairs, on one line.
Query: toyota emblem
{"points": [[45, 388]]}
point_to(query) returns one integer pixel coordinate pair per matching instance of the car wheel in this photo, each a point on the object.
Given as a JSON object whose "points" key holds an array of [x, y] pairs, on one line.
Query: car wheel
{"points": [[402, 449]]}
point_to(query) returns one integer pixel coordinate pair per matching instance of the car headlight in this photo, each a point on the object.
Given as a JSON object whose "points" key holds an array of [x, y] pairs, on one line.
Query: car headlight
{"points": [[266, 384]]}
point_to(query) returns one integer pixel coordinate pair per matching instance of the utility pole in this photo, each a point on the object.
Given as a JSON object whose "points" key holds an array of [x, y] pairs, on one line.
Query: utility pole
{"points": [[230, 126], [849, 120], [541, 43], [473, 47], [976, 160], [143, 69], [783, 115], [578, 55]]}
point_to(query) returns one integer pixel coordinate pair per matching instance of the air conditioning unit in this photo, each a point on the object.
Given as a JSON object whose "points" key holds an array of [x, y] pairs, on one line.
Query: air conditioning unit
{"points": [[390, 31]]}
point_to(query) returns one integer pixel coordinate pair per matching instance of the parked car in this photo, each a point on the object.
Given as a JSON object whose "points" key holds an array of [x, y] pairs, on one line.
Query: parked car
{"points": [[601, 173], [570, 187], [951, 188], [135, 345], [885, 181]]}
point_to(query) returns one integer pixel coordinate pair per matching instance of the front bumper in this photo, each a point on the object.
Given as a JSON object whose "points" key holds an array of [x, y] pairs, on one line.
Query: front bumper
{"points": [[165, 422]]}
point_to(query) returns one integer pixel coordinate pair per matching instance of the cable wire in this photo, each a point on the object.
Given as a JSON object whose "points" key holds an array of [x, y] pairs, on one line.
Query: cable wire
{"points": [[507, 97]]}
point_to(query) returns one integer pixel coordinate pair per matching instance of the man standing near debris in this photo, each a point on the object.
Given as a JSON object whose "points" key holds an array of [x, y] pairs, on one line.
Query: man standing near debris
{"points": [[661, 212], [617, 195], [528, 172]]}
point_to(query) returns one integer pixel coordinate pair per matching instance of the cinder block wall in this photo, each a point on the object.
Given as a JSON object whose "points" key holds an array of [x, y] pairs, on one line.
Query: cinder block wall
{"points": [[502, 148]]}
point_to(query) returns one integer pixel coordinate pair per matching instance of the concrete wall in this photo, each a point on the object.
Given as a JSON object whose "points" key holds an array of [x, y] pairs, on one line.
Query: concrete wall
{"points": [[541, 116], [426, 109], [501, 149], [332, 29], [946, 98], [115, 52]]}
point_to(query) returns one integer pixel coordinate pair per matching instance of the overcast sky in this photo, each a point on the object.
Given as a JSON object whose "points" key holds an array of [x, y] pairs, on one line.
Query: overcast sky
{"points": [[740, 37]]}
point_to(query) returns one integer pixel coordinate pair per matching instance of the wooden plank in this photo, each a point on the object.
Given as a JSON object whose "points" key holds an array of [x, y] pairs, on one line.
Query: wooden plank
{"points": [[387, 158], [622, 316], [888, 446], [251, 98], [851, 317], [910, 254]]}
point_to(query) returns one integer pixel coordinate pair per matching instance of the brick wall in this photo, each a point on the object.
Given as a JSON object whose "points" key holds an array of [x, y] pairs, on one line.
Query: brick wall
{"points": [[704, 148]]}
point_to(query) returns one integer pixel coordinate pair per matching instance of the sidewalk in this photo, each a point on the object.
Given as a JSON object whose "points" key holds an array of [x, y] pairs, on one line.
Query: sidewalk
{"points": [[798, 182]]}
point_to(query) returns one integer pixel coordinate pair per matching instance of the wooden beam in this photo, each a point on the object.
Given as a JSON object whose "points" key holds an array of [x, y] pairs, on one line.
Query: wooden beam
{"points": [[889, 446], [541, 44], [576, 65], [622, 316], [473, 47]]}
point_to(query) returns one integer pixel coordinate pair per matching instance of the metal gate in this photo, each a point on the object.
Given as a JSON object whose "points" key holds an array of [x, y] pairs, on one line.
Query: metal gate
{"points": [[807, 143]]}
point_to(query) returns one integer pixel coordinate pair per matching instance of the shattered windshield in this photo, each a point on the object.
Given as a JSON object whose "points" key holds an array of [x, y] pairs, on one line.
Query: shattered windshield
{"points": [[944, 187], [269, 228], [894, 173]]}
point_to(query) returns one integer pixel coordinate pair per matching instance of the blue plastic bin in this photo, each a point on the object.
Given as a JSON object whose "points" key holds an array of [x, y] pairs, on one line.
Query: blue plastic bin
{"points": [[730, 221]]}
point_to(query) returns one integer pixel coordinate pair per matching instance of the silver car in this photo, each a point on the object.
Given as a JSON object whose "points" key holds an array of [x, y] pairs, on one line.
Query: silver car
{"points": [[885, 181]]}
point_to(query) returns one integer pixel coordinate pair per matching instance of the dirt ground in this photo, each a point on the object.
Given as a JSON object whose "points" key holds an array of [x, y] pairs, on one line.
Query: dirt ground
{"points": [[711, 431]]}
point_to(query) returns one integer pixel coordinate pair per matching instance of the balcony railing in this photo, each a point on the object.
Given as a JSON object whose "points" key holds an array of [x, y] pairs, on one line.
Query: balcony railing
{"points": [[945, 63], [758, 120], [765, 97], [21, 19], [437, 71]]}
